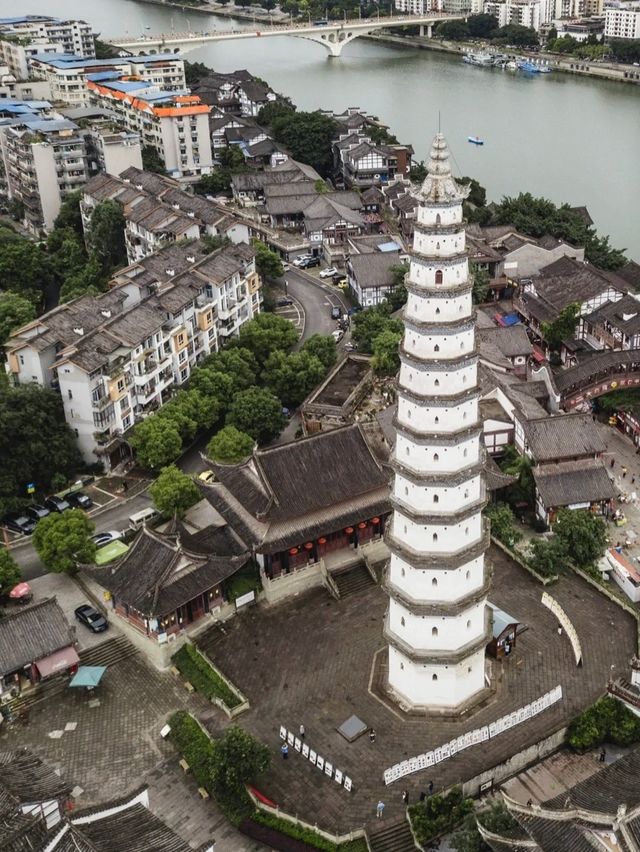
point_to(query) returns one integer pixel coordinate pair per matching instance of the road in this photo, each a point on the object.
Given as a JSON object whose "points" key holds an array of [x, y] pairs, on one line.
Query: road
{"points": [[311, 313]]}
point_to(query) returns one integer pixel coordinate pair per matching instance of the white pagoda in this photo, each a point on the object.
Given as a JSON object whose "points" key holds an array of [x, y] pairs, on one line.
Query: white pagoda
{"points": [[438, 623]]}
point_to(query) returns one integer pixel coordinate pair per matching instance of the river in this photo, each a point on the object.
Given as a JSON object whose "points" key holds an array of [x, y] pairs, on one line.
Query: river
{"points": [[559, 136]]}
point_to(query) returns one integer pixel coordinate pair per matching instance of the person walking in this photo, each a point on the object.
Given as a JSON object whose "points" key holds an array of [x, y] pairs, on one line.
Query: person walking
{"points": [[379, 809], [405, 797], [284, 750], [613, 461], [372, 736], [603, 755], [624, 471], [301, 732]]}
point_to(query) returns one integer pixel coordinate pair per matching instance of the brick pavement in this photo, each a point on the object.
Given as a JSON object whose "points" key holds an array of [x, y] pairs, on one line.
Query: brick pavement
{"points": [[309, 660]]}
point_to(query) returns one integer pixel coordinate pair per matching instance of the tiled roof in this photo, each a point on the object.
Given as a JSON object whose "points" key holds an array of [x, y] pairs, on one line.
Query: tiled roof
{"points": [[623, 315], [563, 436], [510, 340], [583, 481], [374, 269], [30, 634], [27, 779]]}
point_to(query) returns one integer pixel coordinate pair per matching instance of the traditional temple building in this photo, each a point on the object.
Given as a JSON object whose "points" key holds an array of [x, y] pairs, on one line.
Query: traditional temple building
{"points": [[438, 623]]}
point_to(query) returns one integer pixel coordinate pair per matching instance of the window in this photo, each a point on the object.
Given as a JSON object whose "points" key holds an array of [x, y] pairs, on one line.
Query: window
{"points": [[436, 348], [406, 491], [434, 582], [402, 621], [468, 624], [434, 631], [70, 393], [436, 499], [468, 574], [437, 383], [436, 419], [402, 572], [124, 402], [434, 677], [77, 434], [435, 536], [436, 457], [21, 360], [438, 273]]}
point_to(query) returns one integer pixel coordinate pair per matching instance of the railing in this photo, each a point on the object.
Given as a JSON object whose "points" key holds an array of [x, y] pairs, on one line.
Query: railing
{"points": [[328, 581]]}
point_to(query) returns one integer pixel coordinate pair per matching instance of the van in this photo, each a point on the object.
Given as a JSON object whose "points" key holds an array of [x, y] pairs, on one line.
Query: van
{"points": [[144, 516]]}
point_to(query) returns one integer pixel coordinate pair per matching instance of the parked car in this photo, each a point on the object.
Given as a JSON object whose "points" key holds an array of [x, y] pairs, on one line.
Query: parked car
{"points": [[37, 512], [19, 522], [80, 500], [100, 539], [56, 504], [330, 272], [354, 310], [344, 323], [309, 262], [301, 259], [207, 476], [350, 347], [95, 621], [336, 312], [284, 302], [337, 335]]}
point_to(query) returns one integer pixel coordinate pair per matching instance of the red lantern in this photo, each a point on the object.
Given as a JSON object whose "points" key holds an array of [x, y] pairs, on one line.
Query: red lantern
{"points": [[349, 530], [308, 546], [362, 525], [293, 551], [322, 541], [375, 520]]}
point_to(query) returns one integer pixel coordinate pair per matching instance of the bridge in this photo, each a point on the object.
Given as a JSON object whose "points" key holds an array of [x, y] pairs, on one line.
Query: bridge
{"points": [[333, 35], [597, 375]]}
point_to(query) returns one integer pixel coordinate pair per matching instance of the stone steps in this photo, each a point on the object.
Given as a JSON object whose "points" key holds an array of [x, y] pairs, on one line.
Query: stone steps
{"points": [[394, 837], [353, 580], [108, 653]]}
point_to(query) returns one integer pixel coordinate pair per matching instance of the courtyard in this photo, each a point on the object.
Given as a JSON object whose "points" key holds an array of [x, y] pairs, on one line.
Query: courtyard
{"points": [[309, 661]]}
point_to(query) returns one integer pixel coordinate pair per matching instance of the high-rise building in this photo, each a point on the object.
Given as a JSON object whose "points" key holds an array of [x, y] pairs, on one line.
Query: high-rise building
{"points": [[438, 622], [72, 36], [623, 21]]}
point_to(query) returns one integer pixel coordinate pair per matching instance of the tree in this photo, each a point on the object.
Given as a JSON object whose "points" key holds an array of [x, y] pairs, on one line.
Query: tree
{"points": [[453, 31], [173, 492], [280, 108], [156, 441], [480, 284], [9, 572], [63, 540], [24, 267], [69, 215], [520, 466], [308, 136], [552, 35], [238, 759], [257, 412], [194, 71], [562, 328], [398, 295], [15, 310], [582, 535], [268, 263], [265, 333], [418, 171], [546, 556], [151, 160], [105, 236], [516, 35], [503, 524], [35, 443], [371, 322], [190, 411], [386, 358], [482, 26], [230, 446], [496, 818], [323, 346], [380, 135], [89, 280], [239, 364], [293, 376]]}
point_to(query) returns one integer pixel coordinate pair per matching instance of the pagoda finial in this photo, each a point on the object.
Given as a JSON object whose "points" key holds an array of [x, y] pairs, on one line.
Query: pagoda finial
{"points": [[439, 184]]}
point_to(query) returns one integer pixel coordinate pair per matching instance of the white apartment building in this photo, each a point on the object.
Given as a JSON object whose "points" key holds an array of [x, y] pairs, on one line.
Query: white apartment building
{"points": [[72, 36], [67, 74], [419, 7], [525, 13], [17, 56], [12, 89], [622, 22], [175, 124], [117, 357]]}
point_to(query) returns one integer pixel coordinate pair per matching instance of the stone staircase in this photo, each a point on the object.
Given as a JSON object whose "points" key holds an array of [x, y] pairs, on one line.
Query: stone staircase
{"points": [[392, 837], [352, 581]]}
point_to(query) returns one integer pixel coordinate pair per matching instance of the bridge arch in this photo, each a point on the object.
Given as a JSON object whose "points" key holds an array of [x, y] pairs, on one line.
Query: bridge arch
{"points": [[598, 375]]}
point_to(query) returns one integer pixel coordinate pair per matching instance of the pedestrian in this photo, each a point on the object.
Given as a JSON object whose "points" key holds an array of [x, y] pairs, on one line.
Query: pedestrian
{"points": [[603, 754], [529, 803], [405, 797], [633, 479], [613, 461], [559, 630], [372, 736], [624, 471], [284, 749], [379, 809], [301, 732], [423, 796], [430, 788]]}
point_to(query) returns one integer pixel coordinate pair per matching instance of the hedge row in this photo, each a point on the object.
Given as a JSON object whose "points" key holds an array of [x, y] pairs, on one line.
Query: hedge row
{"points": [[301, 835], [608, 721], [204, 679]]}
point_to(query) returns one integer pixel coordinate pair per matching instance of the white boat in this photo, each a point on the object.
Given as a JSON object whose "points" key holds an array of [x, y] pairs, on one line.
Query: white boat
{"points": [[483, 59]]}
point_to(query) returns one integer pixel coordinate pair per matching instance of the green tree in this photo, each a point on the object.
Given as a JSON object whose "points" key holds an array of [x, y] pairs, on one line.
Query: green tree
{"points": [[562, 328], [88, 280], [212, 383], [15, 310], [156, 441], [257, 412], [482, 26], [265, 333], [496, 818], [152, 161], [238, 759], [386, 358], [230, 446], [418, 171], [582, 535], [173, 492], [380, 135], [9, 572], [323, 347], [35, 443], [24, 267], [368, 324], [308, 136], [63, 540], [398, 295], [69, 215], [217, 183], [453, 31], [480, 284], [190, 411], [439, 814], [503, 523], [520, 466], [552, 35], [268, 263], [547, 556], [105, 236], [194, 71], [516, 35], [239, 364], [280, 108], [293, 376]]}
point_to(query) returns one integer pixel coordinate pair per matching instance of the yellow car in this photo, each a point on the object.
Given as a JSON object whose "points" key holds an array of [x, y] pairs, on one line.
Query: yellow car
{"points": [[207, 476]]}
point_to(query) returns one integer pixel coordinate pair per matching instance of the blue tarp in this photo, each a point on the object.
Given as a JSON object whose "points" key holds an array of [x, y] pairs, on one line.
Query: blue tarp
{"points": [[88, 676], [511, 319]]}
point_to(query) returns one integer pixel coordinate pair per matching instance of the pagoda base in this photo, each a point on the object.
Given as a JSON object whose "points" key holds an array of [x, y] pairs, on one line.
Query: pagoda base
{"points": [[399, 704]]}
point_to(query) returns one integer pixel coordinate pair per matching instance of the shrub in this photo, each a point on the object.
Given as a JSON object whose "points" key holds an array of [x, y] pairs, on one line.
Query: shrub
{"points": [[200, 674], [438, 814], [503, 524], [302, 834], [607, 720]]}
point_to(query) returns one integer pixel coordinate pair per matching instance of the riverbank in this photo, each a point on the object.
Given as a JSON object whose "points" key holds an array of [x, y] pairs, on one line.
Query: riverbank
{"points": [[222, 11]]}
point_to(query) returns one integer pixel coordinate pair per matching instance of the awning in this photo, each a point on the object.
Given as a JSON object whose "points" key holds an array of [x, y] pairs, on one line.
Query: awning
{"points": [[111, 551], [89, 676], [57, 662], [538, 354]]}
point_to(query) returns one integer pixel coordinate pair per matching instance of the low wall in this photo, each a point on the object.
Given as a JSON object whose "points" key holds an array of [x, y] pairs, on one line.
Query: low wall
{"points": [[230, 712], [482, 782], [287, 585], [546, 581]]}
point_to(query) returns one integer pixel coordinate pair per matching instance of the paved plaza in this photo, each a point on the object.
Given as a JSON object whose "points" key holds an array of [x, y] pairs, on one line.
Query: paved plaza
{"points": [[309, 661]]}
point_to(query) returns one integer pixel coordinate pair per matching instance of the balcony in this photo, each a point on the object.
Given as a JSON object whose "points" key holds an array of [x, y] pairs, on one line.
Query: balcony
{"points": [[101, 403]]}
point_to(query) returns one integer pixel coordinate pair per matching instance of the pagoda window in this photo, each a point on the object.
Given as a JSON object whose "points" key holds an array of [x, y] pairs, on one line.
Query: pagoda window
{"points": [[438, 219], [437, 310], [436, 419], [437, 383], [436, 457], [468, 575], [434, 677], [468, 625], [438, 273], [434, 582], [435, 536], [402, 622], [436, 499], [434, 631], [436, 348]]}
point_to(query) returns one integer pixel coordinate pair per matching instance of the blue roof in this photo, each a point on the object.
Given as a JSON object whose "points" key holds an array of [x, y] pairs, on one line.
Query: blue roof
{"points": [[43, 125], [103, 75], [27, 19], [126, 85], [23, 107], [390, 246], [72, 60]]}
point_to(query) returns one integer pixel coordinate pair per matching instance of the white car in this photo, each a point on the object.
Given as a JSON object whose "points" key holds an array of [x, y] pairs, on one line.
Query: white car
{"points": [[100, 539], [301, 259], [337, 335], [328, 273]]}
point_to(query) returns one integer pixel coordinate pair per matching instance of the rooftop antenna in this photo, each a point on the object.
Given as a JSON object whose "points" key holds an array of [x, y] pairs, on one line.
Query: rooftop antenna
{"points": [[438, 121]]}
